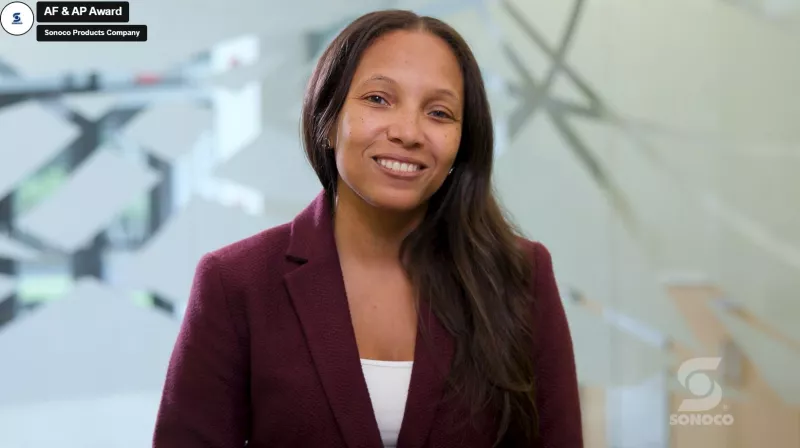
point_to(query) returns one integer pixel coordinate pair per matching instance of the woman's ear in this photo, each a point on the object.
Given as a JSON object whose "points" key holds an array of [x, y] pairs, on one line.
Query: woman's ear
{"points": [[330, 140]]}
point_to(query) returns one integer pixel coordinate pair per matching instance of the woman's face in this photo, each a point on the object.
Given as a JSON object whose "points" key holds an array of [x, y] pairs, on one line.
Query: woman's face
{"points": [[399, 130]]}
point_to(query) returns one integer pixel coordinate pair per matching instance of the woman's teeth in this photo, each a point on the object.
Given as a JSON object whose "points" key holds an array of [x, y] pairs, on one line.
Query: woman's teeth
{"points": [[399, 166]]}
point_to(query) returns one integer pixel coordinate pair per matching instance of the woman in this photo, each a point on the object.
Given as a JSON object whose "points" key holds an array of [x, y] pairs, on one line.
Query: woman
{"points": [[398, 309]]}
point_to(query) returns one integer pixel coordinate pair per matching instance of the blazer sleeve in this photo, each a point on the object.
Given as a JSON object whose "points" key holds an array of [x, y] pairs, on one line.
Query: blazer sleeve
{"points": [[205, 397], [558, 399]]}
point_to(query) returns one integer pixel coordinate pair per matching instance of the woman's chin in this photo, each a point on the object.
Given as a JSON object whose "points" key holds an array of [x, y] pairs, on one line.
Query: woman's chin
{"points": [[397, 201]]}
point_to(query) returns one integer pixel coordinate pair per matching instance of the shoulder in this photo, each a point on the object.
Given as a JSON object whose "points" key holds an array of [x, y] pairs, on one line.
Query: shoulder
{"points": [[557, 396], [548, 307], [248, 258], [539, 257], [268, 243]]}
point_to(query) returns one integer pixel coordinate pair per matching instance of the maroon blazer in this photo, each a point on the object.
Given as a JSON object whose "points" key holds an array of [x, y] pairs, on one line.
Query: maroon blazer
{"points": [[267, 354]]}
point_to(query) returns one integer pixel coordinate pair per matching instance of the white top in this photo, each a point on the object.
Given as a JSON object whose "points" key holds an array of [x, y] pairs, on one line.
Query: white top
{"points": [[387, 382]]}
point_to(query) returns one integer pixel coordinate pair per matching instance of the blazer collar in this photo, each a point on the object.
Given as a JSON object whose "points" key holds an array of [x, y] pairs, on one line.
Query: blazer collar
{"points": [[318, 293], [311, 235]]}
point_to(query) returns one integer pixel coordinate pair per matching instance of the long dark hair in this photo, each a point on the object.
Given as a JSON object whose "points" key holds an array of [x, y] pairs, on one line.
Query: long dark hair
{"points": [[464, 258]]}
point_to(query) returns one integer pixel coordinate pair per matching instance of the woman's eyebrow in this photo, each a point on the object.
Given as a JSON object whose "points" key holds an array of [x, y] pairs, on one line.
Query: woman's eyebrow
{"points": [[443, 92]]}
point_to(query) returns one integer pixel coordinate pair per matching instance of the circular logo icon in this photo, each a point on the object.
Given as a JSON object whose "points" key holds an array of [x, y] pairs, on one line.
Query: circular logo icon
{"points": [[16, 18]]}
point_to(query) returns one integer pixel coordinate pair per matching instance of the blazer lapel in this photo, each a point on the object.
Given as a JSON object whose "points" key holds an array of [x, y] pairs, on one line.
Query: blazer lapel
{"points": [[433, 356], [318, 293]]}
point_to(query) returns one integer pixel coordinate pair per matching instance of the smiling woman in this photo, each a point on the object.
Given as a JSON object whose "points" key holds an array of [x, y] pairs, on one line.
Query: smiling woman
{"points": [[400, 309], [399, 129]]}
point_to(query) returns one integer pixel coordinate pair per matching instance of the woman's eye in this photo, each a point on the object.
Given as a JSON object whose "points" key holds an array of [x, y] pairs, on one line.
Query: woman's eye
{"points": [[376, 99], [441, 114]]}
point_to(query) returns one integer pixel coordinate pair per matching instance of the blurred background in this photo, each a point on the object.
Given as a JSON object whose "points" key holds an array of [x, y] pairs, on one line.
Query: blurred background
{"points": [[652, 146]]}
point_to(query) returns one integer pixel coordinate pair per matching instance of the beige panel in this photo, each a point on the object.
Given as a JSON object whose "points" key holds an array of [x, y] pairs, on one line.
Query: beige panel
{"points": [[593, 416], [693, 303], [777, 362], [761, 416], [757, 277]]}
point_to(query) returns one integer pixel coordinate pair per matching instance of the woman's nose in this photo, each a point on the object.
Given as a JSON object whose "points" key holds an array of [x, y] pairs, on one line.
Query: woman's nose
{"points": [[405, 129]]}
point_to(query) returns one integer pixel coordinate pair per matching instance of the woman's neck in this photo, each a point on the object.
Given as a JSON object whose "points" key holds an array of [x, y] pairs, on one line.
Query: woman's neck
{"points": [[368, 233]]}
